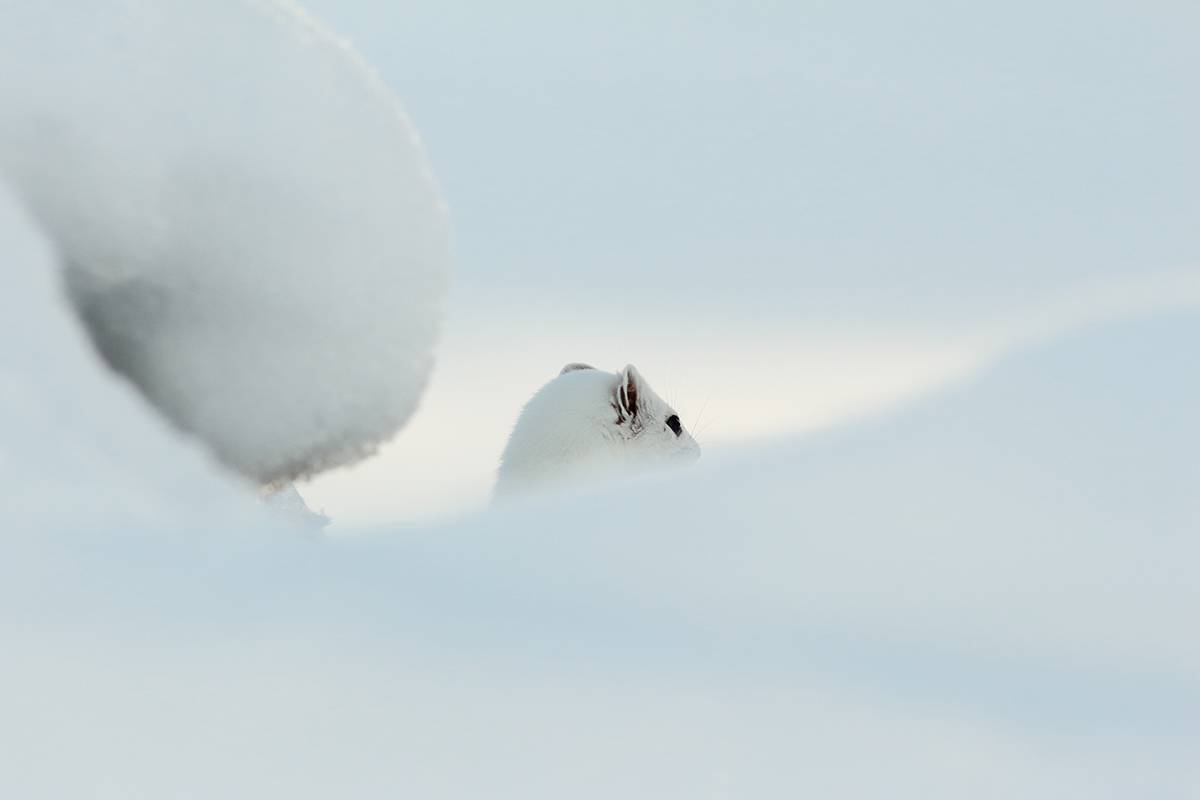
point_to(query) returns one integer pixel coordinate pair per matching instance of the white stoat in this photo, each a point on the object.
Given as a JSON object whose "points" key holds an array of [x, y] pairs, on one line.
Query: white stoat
{"points": [[590, 425]]}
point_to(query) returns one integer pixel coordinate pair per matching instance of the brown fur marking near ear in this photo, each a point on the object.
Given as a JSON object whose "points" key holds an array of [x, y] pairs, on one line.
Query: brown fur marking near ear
{"points": [[575, 366], [627, 395]]}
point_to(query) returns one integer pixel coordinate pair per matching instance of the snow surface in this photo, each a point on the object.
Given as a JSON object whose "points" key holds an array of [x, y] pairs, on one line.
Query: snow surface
{"points": [[992, 592], [989, 592], [81, 450], [244, 216]]}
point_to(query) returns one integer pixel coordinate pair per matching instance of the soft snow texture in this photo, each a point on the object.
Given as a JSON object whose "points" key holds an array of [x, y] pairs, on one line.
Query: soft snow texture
{"points": [[243, 216], [79, 449], [990, 594]]}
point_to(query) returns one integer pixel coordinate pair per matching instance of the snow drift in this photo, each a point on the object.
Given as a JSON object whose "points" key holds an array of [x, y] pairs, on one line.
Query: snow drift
{"points": [[990, 593], [243, 217], [80, 450]]}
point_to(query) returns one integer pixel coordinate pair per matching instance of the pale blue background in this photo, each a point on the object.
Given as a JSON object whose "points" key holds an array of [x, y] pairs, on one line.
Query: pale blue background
{"points": [[846, 161]]}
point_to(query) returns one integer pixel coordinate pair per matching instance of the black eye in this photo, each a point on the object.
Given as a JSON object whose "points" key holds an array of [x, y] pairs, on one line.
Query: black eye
{"points": [[673, 424]]}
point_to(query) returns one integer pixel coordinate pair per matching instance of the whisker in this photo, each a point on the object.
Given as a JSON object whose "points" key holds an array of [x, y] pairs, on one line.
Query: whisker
{"points": [[710, 422], [701, 414]]}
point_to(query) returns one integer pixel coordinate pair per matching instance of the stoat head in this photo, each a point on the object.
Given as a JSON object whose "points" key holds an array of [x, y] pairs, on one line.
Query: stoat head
{"points": [[588, 425], [651, 428]]}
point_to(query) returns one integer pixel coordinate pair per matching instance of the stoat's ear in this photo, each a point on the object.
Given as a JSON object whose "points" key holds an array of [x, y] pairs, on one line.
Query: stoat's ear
{"points": [[574, 367], [629, 385]]}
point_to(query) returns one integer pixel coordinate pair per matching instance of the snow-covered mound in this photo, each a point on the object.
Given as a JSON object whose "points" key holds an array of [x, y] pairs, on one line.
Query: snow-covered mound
{"points": [[80, 450], [242, 215], [991, 593]]}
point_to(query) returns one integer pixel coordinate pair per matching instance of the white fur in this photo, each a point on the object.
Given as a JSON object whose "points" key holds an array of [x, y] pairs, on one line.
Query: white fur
{"points": [[588, 425]]}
